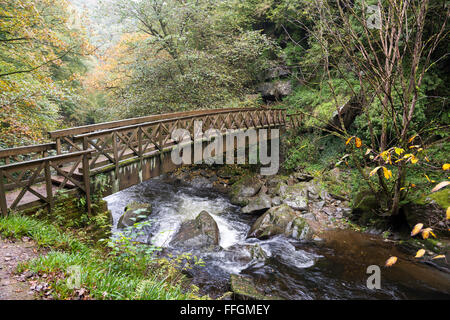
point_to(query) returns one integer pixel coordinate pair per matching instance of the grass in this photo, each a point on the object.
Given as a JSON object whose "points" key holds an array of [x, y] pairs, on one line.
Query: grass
{"points": [[104, 274]]}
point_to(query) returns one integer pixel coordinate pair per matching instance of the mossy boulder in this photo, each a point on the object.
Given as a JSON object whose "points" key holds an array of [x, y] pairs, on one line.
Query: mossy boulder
{"points": [[134, 212], [281, 220], [431, 207], [258, 204], [365, 201], [244, 189], [200, 232], [244, 288]]}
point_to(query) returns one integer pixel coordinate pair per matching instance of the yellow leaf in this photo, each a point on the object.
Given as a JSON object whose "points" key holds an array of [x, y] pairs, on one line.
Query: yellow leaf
{"points": [[412, 138], [358, 142], [391, 261], [387, 173], [399, 151], [368, 151], [374, 171], [414, 159], [420, 253], [440, 186], [446, 166], [426, 233], [441, 256], [448, 213], [416, 229], [348, 140]]}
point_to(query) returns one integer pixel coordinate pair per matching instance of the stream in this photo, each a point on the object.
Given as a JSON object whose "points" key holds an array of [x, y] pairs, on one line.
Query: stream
{"points": [[334, 268]]}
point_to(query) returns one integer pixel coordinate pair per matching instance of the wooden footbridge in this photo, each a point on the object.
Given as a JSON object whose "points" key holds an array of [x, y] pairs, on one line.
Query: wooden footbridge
{"points": [[127, 152]]}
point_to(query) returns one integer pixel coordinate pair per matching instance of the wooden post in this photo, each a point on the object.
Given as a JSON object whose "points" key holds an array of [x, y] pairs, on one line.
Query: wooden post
{"points": [[116, 153], [58, 145], [3, 205], [87, 182], [141, 151], [48, 185]]}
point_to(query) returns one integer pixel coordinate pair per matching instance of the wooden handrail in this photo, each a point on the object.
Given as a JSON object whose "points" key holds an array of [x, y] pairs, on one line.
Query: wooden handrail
{"points": [[31, 163], [118, 129], [134, 121], [26, 149]]}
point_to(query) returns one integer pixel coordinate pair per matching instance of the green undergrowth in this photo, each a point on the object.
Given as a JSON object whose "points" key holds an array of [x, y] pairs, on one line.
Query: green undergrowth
{"points": [[119, 269]]}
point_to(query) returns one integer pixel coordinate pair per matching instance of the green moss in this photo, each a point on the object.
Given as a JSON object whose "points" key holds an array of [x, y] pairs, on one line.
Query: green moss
{"points": [[441, 197], [245, 289]]}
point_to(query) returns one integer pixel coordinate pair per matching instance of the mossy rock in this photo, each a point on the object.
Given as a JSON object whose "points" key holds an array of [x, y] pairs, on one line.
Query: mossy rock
{"points": [[244, 189], [275, 221], [202, 231], [245, 289], [430, 207], [134, 212], [441, 197], [365, 201]]}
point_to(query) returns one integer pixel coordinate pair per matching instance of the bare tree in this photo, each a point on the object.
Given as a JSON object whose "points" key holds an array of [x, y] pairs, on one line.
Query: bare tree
{"points": [[382, 46]]}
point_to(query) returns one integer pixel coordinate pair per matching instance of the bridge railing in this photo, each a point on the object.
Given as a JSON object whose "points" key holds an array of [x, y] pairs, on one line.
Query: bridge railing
{"points": [[34, 179], [64, 138], [26, 153], [295, 119], [112, 146]]}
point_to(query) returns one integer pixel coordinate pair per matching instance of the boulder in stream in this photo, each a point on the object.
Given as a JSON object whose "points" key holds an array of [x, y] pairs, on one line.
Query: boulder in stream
{"points": [[244, 288], [134, 212], [281, 220], [199, 232]]}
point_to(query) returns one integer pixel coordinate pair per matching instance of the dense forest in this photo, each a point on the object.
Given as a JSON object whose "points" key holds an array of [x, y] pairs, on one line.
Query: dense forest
{"points": [[369, 78]]}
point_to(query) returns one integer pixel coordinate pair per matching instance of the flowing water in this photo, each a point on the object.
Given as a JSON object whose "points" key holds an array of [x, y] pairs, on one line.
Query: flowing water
{"points": [[334, 268]]}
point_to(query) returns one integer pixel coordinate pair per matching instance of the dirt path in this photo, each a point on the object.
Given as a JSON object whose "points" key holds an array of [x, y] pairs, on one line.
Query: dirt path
{"points": [[13, 286]]}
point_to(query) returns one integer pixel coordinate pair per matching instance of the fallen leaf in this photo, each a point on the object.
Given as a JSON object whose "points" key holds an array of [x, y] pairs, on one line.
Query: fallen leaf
{"points": [[448, 213], [426, 233], [358, 142], [420, 253], [446, 167], [391, 261], [441, 256], [416, 229]]}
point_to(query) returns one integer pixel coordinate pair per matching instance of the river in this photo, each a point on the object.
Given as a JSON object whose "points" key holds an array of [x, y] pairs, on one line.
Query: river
{"points": [[334, 268]]}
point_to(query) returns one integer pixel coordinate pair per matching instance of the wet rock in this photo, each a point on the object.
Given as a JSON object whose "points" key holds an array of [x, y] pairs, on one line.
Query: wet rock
{"points": [[244, 288], [134, 212], [200, 232], [300, 229], [244, 189], [201, 182], [275, 221], [258, 204]]}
